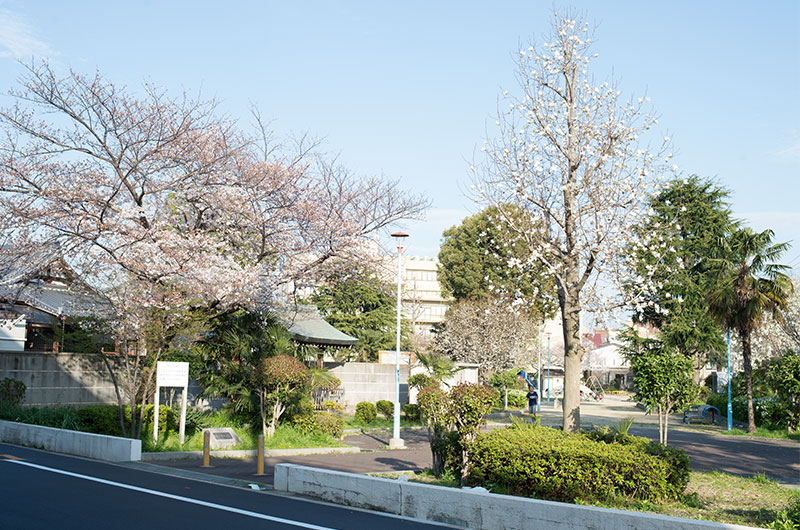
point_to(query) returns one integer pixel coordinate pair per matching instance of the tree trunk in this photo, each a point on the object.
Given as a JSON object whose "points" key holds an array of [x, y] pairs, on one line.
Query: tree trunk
{"points": [[573, 355], [505, 399], [748, 379], [277, 410]]}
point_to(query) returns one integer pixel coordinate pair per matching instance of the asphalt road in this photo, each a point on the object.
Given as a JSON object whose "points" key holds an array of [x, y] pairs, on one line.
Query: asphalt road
{"points": [[46, 490]]}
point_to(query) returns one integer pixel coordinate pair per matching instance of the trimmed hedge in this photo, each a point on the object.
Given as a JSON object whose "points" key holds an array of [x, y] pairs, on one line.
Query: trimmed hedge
{"points": [[385, 408], [366, 412], [320, 423], [411, 411], [545, 463]]}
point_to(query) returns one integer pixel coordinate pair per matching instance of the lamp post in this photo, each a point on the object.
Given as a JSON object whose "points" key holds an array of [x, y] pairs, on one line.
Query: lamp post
{"points": [[730, 407], [396, 442], [539, 378], [548, 368]]}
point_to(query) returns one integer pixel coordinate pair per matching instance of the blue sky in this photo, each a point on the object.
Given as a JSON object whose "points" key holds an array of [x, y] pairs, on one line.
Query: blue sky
{"points": [[405, 89]]}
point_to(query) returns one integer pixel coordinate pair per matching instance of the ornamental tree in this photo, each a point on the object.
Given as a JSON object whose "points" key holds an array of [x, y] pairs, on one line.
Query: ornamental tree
{"points": [[663, 377], [457, 413], [571, 153], [434, 405], [277, 380], [469, 404], [159, 202]]}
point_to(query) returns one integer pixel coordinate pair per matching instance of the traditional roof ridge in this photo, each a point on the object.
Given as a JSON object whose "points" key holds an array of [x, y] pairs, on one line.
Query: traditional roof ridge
{"points": [[306, 325]]}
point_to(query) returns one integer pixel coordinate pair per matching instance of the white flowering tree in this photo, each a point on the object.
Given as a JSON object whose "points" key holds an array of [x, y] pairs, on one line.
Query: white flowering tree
{"points": [[570, 151], [162, 204], [487, 332]]}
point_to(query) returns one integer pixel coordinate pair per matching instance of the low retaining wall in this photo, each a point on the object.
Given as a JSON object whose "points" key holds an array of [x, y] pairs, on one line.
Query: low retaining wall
{"points": [[97, 446], [247, 453], [466, 507]]}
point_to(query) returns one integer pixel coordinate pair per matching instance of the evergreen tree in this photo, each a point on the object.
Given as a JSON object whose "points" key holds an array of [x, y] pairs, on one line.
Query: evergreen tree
{"points": [[688, 220], [359, 303], [481, 258]]}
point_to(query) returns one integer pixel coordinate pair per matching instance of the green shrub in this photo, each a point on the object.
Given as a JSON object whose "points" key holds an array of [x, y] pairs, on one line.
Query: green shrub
{"points": [[320, 423], [101, 419], [739, 406], [411, 411], [517, 399], [678, 467], [549, 464], [12, 391], [420, 381], [385, 408], [333, 406], [366, 412]]}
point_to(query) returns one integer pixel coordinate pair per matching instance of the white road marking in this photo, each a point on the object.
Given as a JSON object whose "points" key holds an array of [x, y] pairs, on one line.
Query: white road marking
{"points": [[175, 497]]}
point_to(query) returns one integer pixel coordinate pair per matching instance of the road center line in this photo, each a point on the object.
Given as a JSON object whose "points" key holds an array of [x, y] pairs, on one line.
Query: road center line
{"points": [[175, 497]]}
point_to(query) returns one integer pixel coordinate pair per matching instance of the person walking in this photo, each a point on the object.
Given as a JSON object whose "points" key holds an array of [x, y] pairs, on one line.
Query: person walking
{"points": [[533, 398]]}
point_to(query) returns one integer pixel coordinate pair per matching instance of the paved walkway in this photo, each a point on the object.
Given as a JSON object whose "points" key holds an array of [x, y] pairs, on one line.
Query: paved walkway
{"points": [[707, 449]]}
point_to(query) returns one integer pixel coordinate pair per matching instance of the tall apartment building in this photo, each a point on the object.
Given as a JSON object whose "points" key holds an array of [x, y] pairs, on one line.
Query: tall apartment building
{"points": [[423, 303]]}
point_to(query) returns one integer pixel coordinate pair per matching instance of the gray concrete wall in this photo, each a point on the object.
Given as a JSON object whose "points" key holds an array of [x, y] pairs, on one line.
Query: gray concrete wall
{"points": [[97, 446], [469, 508], [59, 378], [369, 382]]}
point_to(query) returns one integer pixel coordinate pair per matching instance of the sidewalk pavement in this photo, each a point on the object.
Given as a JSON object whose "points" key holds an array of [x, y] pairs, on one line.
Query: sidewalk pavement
{"points": [[779, 459]]}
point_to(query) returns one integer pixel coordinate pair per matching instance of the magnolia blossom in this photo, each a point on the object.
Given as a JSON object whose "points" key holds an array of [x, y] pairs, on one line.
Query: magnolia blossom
{"points": [[573, 155]]}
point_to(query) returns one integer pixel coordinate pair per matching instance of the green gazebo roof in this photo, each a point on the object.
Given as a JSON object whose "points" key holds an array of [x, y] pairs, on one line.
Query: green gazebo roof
{"points": [[307, 325]]}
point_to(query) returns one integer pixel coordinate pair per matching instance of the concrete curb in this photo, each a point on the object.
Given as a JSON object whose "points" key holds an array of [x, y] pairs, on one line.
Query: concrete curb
{"points": [[470, 508], [246, 453], [97, 446]]}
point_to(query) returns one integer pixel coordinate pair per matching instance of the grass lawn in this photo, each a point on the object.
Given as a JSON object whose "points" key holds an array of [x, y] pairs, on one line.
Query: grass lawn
{"points": [[710, 496], [765, 433]]}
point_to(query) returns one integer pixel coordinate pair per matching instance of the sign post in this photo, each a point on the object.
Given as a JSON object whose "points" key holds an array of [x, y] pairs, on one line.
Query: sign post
{"points": [[170, 374]]}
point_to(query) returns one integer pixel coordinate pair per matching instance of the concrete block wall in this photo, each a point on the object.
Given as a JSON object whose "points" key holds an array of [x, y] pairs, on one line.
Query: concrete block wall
{"points": [[469, 508], [369, 382], [97, 446], [59, 378]]}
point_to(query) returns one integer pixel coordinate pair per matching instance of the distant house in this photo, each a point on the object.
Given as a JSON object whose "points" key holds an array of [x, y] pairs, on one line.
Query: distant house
{"points": [[609, 365], [33, 304]]}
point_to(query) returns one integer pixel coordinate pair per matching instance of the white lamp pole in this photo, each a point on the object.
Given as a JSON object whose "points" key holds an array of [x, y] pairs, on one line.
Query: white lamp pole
{"points": [[396, 442], [548, 368], [539, 378]]}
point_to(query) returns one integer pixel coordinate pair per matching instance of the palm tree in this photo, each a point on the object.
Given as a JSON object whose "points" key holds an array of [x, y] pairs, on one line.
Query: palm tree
{"points": [[749, 285]]}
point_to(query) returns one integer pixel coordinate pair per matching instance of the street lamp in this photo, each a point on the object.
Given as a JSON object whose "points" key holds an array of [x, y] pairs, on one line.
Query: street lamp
{"points": [[548, 368], [539, 377], [396, 442], [730, 408]]}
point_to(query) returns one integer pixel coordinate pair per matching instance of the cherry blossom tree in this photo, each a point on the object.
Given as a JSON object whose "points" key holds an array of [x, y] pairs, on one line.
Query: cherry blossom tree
{"points": [[570, 151], [160, 202]]}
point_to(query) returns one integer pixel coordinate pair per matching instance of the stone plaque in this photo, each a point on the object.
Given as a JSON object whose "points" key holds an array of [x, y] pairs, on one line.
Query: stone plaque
{"points": [[223, 438]]}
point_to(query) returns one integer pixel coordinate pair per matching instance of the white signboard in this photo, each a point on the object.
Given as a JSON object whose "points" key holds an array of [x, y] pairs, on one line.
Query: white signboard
{"points": [[171, 374]]}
